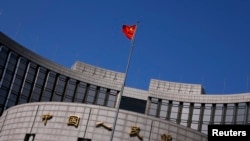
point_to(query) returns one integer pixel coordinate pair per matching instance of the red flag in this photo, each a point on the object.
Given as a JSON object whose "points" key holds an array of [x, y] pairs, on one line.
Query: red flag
{"points": [[129, 31]]}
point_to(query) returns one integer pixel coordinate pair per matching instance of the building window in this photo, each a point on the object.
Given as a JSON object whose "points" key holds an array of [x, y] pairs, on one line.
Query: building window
{"points": [[164, 109], [3, 96], [60, 87], [241, 113], [80, 92], [207, 113], [196, 116], [9, 71], [39, 84], [91, 95], [229, 114], [174, 111], [20, 73], [49, 86], [153, 107], [83, 139], [70, 90], [112, 98], [101, 96], [185, 114], [31, 73], [248, 113], [3, 58], [29, 137], [27, 86], [133, 104], [218, 113], [206, 117]]}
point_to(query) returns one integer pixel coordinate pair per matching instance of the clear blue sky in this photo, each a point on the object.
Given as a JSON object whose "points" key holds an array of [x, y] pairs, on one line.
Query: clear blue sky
{"points": [[191, 41]]}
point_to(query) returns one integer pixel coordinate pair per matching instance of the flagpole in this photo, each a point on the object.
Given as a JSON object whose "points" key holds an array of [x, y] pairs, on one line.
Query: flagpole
{"points": [[124, 82]]}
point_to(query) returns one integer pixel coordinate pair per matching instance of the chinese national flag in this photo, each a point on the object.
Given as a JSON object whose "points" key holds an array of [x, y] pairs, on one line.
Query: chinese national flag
{"points": [[129, 31]]}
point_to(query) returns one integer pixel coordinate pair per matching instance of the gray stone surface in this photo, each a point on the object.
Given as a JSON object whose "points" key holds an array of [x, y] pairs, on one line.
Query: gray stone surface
{"points": [[27, 118]]}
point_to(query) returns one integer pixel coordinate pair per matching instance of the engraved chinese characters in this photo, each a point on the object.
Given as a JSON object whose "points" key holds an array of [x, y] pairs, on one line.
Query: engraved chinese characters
{"points": [[74, 120], [101, 123], [165, 137], [46, 117], [135, 132]]}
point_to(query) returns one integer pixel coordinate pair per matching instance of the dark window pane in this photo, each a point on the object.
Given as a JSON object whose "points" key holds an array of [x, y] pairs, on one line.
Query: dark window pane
{"points": [[241, 113], [218, 113], [3, 96], [174, 111], [164, 109], [132, 104], [153, 109], [3, 59], [36, 94], [83, 139], [26, 89], [7, 79], [112, 98], [101, 96], [57, 97], [17, 85], [12, 100], [185, 114], [60, 85], [23, 99], [80, 93], [229, 113], [50, 80], [207, 113], [46, 96], [12, 62], [29, 137], [3, 55], [21, 67], [70, 89], [91, 94], [31, 73]]}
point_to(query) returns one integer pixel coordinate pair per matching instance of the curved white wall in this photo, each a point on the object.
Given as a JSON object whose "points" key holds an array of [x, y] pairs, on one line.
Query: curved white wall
{"points": [[27, 118]]}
